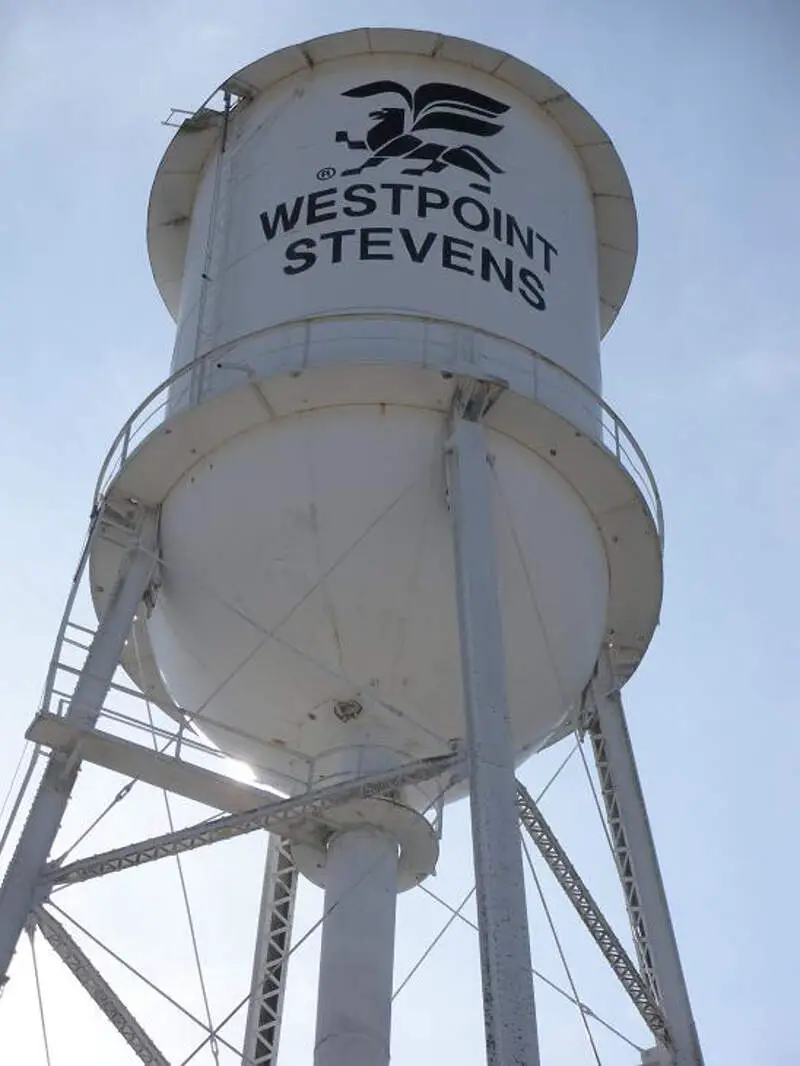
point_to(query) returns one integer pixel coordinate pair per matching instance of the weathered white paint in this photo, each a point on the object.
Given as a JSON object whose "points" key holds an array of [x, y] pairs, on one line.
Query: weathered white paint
{"points": [[506, 975], [310, 560], [348, 243], [356, 962]]}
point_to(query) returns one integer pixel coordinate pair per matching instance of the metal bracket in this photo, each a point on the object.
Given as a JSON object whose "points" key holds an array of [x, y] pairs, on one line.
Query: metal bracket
{"points": [[471, 401], [473, 398]]}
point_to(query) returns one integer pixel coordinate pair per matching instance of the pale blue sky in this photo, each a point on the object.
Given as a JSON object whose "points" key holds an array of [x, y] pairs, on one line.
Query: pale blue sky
{"points": [[701, 101]]}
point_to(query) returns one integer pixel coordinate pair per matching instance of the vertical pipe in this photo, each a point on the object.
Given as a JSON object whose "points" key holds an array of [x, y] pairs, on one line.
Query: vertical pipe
{"points": [[508, 1002], [357, 959]]}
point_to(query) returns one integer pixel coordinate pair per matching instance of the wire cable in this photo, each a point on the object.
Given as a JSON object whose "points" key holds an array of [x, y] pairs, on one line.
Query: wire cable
{"points": [[597, 804], [259, 978], [528, 581], [456, 914], [182, 878], [23, 788], [193, 934], [561, 766], [122, 794], [272, 634], [559, 948], [545, 980], [257, 982], [145, 980], [42, 1018], [14, 778]]}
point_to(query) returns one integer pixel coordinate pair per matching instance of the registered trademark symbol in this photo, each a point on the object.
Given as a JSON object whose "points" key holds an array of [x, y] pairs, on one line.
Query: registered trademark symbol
{"points": [[326, 173]]}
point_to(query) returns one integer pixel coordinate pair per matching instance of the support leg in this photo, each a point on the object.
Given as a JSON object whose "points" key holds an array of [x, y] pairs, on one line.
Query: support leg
{"points": [[637, 862], [357, 959], [18, 895], [270, 964], [508, 1002], [100, 990]]}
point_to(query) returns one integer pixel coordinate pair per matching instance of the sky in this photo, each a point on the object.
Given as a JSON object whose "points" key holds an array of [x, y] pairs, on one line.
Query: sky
{"points": [[700, 100]]}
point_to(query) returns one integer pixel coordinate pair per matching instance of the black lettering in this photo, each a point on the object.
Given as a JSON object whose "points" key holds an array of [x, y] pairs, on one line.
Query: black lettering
{"points": [[370, 240], [362, 195], [300, 252], [336, 237], [505, 273], [284, 218], [397, 194], [450, 253], [531, 289], [476, 225], [317, 204], [417, 255], [525, 239], [430, 198], [548, 248], [497, 216]]}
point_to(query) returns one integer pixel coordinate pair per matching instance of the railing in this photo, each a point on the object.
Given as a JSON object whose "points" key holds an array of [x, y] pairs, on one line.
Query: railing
{"points": [[126, 713], [547, 383]]}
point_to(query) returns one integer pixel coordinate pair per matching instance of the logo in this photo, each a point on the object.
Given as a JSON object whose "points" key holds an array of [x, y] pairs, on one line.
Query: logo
{"points": [[399, 132]]}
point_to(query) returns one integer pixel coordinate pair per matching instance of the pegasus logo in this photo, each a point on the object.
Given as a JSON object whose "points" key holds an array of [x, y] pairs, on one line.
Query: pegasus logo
{"points": [[433, 106]]}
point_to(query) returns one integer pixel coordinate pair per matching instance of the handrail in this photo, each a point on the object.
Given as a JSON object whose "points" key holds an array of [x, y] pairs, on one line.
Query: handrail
{"points": [[623, 447]]}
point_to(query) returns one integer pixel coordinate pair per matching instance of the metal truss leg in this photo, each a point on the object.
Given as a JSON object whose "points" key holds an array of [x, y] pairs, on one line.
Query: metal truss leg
{"points": [[637, 987], [270, 965], [638, 867], [18, 895], [99, 989], [508, 1002]]}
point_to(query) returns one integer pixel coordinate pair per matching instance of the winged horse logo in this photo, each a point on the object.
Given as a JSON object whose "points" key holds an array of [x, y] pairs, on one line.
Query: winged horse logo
{"points": [[399, 131]]}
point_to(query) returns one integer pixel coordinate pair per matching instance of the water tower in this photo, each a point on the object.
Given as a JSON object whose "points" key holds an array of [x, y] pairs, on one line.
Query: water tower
{"points": [[378, 535]]}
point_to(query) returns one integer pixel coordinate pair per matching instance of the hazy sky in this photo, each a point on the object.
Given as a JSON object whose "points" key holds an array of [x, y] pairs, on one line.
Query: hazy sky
{"points": [[701, 101]]}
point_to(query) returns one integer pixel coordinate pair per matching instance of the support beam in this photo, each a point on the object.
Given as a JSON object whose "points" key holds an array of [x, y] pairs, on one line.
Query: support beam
{"points": [[133, 760], [506, 973], [99, 989], [18, 895], [271, 961], [637, 863], [287, 817], [589, 912]]}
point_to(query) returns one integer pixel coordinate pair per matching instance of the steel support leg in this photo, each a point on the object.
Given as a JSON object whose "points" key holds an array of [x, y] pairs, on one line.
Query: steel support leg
{"points": [[18, 895], [356, 965], [637, 987], [99, 989], [638, 866], [508, 1002], [271, 961]]}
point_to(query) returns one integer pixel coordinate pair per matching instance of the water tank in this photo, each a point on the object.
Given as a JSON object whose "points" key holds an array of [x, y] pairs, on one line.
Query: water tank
{"points": [[354, 235]]}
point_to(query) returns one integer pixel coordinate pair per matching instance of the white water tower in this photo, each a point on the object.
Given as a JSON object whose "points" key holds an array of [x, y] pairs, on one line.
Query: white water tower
{"points": [[386, 516]]}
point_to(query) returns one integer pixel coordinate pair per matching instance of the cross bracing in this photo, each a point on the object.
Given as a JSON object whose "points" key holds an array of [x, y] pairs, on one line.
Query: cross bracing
{"points": [[287, 817], [302, 817], [533, 821]]}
